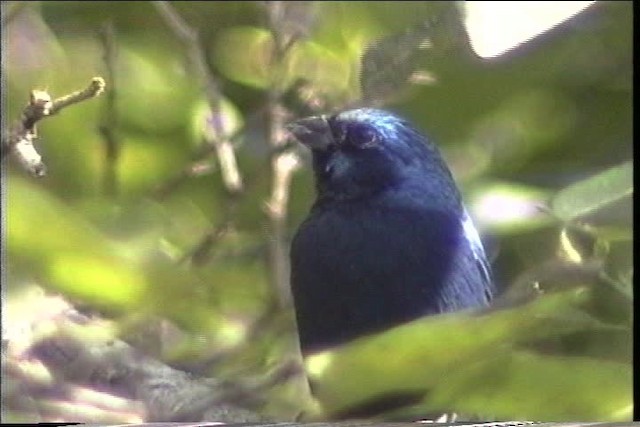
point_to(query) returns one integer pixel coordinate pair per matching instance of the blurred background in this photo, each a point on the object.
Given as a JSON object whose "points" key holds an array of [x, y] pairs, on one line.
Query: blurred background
{"points": [[146, 275]]}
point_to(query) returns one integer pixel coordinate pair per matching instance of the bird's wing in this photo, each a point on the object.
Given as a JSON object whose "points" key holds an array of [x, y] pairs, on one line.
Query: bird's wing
{"points": [[471, 233]]}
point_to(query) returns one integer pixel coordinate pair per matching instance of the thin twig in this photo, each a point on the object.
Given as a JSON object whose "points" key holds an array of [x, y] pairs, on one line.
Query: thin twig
{"points": [[189, 36], [200, 164], [199, 167], [283, 164], [217, 141], [202, 251], [95, 88], [21, 136], [109, 122]]}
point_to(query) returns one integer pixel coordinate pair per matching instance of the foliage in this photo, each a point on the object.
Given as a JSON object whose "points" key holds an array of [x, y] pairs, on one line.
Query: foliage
{"points": [[540, 141]]}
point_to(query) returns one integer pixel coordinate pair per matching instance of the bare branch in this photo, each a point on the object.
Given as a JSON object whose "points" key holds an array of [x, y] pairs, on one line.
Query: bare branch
{"points": [[20, 137], [189, 36], [283, 162], [95, 88]]}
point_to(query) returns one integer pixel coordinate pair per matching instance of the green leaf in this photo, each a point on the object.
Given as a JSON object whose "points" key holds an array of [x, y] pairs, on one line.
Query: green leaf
{"points": [[594, 193], [328, 72], [51, 240], [388, 64], [243, 54], [522, 385], [231, 121], [422, 354]]}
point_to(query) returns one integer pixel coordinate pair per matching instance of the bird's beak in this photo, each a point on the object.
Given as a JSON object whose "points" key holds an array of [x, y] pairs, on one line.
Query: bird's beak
{"points": [[314, 132]]}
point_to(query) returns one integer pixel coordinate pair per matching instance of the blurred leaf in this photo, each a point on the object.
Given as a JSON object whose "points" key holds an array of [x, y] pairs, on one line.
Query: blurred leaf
{"points": [[102, 282], [326, 71], [243, 54], [522, 385], [144, 162], [624, 285], [41, 226], [55, 242], [422, 354], [614, 233], [388, 64], [509, 207], [201, 121], [539, 117], [156, 93], [594, 193]]}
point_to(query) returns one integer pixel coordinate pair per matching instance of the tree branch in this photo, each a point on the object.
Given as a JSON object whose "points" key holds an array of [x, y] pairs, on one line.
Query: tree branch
{"points": [[224, 149], [21, 136], [283, 162]]}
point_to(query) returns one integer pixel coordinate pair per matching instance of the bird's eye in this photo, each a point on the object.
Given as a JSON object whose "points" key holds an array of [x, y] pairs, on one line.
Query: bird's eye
{"points": [[361, 137]]}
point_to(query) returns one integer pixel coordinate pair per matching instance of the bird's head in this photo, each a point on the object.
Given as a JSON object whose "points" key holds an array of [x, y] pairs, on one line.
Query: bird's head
{"points": [[357, 153]]}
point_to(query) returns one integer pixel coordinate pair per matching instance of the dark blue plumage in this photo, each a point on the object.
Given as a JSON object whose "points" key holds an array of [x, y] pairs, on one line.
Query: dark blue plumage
{"points": [[388, 239]]}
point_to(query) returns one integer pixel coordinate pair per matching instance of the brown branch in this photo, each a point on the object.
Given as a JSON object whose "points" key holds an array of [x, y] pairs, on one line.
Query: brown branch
{"points": [[217, 141], [95, 88], [21, 136], [199, 167], [202, 251], [224, 149], [283, 163]]}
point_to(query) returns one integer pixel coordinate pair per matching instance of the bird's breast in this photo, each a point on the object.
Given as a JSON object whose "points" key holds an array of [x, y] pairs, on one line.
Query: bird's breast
{"points": [[359, 269]]}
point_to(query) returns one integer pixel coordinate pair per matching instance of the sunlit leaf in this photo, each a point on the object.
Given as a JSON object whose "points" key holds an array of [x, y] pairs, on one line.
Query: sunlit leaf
{"points": [[40, 225], [102, 282], [243, 54], [156, 91], [421, 354], [510, 207], [523, 385], [229, 119], [67, 251], [594, 193]]}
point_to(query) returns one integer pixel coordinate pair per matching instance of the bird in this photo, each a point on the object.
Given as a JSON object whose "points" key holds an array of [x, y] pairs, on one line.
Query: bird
{"points": [[388, 238]]}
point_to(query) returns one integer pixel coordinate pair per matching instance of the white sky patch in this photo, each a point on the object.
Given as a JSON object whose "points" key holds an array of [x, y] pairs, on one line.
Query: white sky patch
{"points": [[495, 27]]}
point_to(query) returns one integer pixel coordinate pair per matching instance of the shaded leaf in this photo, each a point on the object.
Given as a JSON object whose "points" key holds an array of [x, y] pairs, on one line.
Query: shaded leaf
{"points": [[388, 64]]}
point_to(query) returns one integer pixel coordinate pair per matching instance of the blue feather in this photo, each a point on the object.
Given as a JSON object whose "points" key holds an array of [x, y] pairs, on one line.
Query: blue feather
{"points": [[388, 238]]}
